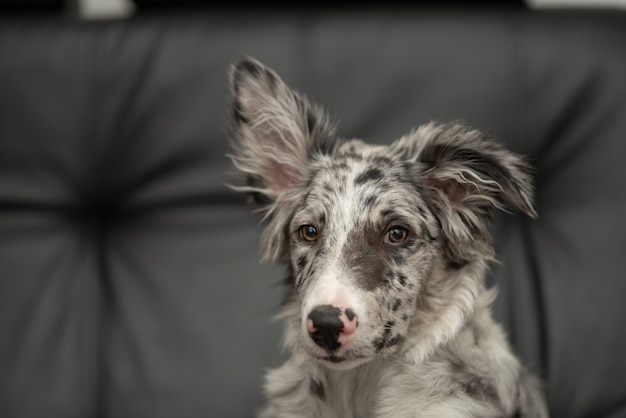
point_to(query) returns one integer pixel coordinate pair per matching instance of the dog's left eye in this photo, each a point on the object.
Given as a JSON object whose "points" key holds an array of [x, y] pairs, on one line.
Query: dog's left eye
{"points": [[308, 233], [396, 235]]}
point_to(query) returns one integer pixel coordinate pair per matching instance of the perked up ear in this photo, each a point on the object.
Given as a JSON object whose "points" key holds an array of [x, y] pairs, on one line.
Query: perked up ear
{"points": [[467, 175], [275, 133]]}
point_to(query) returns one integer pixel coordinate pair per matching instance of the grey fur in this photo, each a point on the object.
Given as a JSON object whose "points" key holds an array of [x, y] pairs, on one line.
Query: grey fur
{"points": [[399, 243]]}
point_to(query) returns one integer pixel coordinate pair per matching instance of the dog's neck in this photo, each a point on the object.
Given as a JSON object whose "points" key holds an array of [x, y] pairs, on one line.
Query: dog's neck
{"points": [[448, 303], [353, 391]]}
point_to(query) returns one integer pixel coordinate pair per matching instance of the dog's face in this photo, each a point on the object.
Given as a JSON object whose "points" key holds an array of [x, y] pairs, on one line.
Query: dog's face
{"points": [[361, 242], [372, 234]]}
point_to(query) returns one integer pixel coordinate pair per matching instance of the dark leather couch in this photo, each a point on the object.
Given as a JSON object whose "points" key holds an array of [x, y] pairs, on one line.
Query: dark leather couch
{"points": [[129, 275]]}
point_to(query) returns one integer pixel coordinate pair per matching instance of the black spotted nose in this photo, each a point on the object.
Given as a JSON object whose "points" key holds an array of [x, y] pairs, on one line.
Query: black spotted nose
{"points": [[324, 326]]}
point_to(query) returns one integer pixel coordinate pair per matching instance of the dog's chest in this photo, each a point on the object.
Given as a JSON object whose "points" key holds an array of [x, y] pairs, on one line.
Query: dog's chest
{"points": [[353, 393]]}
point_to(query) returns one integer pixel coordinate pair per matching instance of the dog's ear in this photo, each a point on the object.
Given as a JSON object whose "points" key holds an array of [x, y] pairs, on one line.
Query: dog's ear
{"points": [[467, 175], [275, 131], [275, 134]]}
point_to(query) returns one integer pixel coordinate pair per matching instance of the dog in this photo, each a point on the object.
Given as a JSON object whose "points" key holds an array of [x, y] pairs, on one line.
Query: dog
{"points": [[387, 313]]}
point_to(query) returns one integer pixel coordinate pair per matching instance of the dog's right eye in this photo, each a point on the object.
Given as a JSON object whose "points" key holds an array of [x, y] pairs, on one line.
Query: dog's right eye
{"points": [[396, 235], [308, 233]]}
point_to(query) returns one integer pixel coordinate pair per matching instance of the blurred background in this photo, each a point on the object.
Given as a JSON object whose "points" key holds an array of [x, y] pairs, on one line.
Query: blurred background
{"points": [[130, 282]]}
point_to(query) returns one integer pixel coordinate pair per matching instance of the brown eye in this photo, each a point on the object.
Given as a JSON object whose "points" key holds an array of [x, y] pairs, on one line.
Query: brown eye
{"points": [[308, 233], [396, 235]]}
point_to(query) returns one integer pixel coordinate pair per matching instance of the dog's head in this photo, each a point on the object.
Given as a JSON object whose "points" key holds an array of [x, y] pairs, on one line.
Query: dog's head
{"points": [[379, 240]]}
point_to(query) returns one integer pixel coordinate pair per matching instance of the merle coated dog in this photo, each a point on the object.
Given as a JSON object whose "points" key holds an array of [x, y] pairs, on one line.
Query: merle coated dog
{"points": [[387, 312]]}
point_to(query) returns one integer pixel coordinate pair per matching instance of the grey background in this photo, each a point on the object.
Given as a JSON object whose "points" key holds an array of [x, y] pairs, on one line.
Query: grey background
{"points": [[129, 275]]}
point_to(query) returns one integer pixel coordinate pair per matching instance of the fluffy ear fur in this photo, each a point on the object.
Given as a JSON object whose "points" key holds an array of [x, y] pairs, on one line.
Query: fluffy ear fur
{"points": [[275, 134], [467, 175]]}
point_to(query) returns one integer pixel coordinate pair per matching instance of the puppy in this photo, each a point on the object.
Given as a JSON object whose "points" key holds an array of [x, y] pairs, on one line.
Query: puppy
{"points": [[387, 312]]}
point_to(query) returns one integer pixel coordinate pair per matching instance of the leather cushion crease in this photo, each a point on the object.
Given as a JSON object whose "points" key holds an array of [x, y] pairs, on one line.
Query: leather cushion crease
{"points": [[129, 277]]}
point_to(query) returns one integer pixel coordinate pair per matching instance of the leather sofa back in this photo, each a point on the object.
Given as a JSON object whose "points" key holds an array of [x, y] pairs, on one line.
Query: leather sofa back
{"points": [[129, 280]]}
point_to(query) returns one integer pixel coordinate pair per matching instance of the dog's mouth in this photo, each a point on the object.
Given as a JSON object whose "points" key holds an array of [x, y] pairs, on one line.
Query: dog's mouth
{"points": [[337, 359], [345, 361]]}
